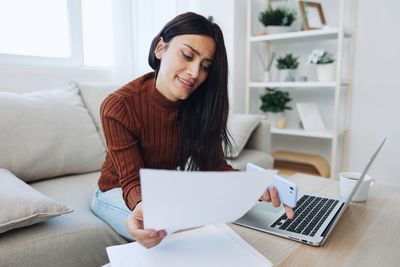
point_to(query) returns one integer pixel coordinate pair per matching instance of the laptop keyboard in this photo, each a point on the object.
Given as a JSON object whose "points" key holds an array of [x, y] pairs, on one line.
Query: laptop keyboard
{"points": [[309, 214]]}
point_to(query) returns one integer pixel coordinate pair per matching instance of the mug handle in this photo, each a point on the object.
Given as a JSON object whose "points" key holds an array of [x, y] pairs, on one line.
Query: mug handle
{"points": [[372, 183]]}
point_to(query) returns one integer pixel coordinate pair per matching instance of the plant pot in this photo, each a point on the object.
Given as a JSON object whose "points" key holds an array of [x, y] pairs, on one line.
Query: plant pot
{"points": [[287, 75], [278, 29], [277, 119], [326, 72]]}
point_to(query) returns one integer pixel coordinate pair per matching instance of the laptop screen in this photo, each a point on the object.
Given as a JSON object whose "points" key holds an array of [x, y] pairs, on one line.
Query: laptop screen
{"points": [[355, 188]]}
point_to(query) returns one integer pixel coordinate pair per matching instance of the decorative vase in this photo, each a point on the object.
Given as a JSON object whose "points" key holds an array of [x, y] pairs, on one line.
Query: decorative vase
{"points": [[277, 119], [326, 72], [266, 77], [277, 29], [287, 75]]}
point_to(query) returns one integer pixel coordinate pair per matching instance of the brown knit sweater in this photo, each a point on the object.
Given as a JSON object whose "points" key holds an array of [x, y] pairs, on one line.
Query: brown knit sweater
{"points": [[141, 130]]}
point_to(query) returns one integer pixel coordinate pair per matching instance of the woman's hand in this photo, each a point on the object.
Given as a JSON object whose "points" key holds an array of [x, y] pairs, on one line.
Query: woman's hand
{"points": [[146, 238], [271, 195]]}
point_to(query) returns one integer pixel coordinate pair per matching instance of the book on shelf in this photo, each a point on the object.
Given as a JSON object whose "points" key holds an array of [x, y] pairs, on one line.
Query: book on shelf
{"points": [[310, 116]]}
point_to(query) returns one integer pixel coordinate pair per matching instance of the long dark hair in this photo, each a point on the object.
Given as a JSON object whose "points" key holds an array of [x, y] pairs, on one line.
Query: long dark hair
{"points": [[202, 116]]}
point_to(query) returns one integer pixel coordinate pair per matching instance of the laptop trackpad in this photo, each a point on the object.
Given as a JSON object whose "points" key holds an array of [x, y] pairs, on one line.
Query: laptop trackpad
{"points": [[261, 215]]}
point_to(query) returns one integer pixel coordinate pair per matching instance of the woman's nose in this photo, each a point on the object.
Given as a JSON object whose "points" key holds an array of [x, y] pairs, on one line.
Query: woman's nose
{"points": [[193, 70]]}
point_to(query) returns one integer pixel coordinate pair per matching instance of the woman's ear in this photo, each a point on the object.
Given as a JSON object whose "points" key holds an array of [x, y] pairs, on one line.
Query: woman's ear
{"points": [[159, 48]]}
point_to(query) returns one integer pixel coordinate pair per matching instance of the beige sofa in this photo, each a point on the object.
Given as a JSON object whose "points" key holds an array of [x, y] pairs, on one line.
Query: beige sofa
{"points": [[52, 141]]}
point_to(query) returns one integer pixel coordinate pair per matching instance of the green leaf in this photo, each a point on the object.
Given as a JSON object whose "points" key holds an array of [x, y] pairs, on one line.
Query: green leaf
{"points": [[280, 16], [274, 100], [287, 62]]}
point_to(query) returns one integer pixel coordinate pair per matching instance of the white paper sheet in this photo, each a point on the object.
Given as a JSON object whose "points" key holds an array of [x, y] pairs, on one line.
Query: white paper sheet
{"points": [[178, 200], [207, 246]]}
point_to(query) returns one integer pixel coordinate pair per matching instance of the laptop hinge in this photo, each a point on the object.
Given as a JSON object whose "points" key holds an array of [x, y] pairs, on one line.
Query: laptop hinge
{"points": [[331, 222]]}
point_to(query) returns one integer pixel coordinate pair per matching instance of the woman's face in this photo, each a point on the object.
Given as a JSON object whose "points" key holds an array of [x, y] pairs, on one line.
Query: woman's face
{"points": [[185, 62]]}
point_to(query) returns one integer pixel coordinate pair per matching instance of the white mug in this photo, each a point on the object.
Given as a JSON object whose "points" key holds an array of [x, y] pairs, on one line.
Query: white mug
{"points": [[347, 180]]}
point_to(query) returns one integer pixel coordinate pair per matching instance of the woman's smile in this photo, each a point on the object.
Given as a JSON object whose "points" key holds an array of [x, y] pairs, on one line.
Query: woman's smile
{"points": [[185, 83]]}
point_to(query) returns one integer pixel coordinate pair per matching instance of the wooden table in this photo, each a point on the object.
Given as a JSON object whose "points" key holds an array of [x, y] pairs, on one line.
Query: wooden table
{"points": [[368, 234]]}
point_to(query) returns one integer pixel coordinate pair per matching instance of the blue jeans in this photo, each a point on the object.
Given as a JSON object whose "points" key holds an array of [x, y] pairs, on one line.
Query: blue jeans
{"points": [[110, 207]]}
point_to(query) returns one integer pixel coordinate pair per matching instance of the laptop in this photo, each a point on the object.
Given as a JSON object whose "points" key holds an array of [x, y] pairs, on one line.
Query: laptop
{"points": [[315, 215]]}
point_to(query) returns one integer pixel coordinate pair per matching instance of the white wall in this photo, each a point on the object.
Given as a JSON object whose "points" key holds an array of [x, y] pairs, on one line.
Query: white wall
{"points": [[223, 13], [376, 81], [376, 90], [148, 18]]}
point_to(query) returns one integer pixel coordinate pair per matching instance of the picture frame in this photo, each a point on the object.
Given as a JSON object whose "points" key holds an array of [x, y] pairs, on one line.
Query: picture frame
{"points": [[313, 15], [310, 116]]}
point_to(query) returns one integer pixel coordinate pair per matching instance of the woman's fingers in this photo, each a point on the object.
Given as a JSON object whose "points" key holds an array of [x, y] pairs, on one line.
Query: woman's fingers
{"points": [[151, 242], [148, 244], [266, 196], [134, 225], [141, 234], [150, 235], [271, 195], [274, 197], [289, 212]]}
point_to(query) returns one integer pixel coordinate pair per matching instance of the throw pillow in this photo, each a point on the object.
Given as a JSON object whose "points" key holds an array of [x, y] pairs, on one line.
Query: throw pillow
{"points": [[21, 205], [93, 95], [240, 127], [47, 134]]}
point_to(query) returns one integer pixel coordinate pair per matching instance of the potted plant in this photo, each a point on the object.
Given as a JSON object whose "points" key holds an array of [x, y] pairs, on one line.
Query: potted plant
{"points": [[274, 103], [287, 66], [326, 66], [277, 20]]}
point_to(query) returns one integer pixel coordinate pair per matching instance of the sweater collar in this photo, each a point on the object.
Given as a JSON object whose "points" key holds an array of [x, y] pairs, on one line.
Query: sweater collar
{"points": [[156, 96]]}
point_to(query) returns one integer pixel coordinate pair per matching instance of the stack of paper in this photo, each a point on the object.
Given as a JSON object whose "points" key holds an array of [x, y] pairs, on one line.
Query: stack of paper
{"points": [[213, 245]]}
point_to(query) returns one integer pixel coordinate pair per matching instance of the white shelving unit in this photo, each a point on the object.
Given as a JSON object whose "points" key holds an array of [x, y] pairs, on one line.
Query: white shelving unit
{"points": [[297, 84], [317, 34], [332, 98]]}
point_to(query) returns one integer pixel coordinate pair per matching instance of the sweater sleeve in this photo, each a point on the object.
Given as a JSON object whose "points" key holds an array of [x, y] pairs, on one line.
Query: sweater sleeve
{"points": [[122, 144]]}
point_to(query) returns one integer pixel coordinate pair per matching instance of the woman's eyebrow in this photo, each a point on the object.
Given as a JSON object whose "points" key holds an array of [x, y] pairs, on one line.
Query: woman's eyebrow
{"points": [[197, 52]]}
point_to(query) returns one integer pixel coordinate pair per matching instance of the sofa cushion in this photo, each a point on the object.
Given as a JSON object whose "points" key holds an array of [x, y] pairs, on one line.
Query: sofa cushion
{"points": [[21, 205], [93, 95], [240, 126], [48, 133], [74, 240], [257, 157]]}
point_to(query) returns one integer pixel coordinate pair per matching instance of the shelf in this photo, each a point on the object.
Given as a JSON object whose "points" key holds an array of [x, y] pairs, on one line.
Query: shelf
{"points": [[300, 132], [297, 84], [328, 33], [332, 97]]}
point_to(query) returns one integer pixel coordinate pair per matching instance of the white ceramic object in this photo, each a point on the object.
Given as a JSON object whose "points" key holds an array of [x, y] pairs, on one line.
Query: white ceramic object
{"points": [[266, 77], [326, 72], [347, 180], [278, 29], [287, 75], [277, 119]]}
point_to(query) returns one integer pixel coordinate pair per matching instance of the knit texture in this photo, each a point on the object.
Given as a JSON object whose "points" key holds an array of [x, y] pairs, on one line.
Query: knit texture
{"points": [[142, 131]]}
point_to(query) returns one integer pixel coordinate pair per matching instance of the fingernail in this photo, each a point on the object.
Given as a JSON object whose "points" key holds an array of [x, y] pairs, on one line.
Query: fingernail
{"points": [[153, 234]]}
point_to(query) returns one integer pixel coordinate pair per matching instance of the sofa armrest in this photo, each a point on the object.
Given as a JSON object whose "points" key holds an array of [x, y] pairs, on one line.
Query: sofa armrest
{"points": [[260, 139]]}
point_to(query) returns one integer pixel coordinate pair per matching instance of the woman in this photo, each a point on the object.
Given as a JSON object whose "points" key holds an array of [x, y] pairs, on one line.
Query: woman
{"points": [[174, 117]]}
